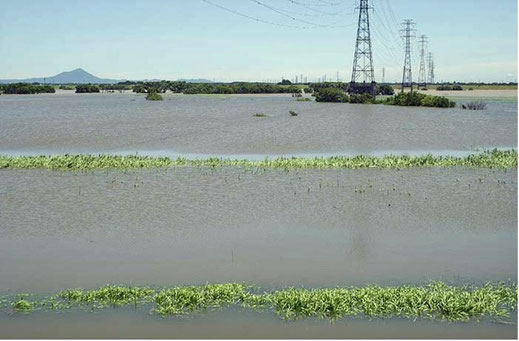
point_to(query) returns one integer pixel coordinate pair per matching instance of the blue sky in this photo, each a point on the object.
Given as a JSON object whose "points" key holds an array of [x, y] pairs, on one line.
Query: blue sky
{"points": [[472, 40]]}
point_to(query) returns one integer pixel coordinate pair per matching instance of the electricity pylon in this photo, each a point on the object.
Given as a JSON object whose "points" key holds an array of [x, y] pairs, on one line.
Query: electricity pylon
{"points": [[408, 33], [422, 75], [363, 76], [430, 61]]}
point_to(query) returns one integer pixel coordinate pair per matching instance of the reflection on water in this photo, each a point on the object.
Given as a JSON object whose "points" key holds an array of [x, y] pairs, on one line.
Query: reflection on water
{"points": [[201, 125], [237, 323]]}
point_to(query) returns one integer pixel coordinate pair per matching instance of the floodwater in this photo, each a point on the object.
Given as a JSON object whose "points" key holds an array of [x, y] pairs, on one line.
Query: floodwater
{"points": [[273, 229], [223, 126], [237, 323]]}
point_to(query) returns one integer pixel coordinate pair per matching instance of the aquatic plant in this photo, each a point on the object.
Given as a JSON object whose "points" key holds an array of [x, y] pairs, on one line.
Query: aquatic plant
{"points": [[23, 305], [293, 113], [436, 300], [180, 300], [260, 115], [487, 159], [304, 99], [108, 295]]}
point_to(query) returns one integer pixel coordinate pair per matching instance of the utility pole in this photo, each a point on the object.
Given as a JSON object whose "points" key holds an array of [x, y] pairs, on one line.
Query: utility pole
{"points": [[422, 76], [363, 59], [430, 61], [408, 33], [383, 75]]}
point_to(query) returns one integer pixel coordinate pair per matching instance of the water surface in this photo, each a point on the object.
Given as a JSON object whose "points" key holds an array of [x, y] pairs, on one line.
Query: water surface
{"points": [[224, 126]]}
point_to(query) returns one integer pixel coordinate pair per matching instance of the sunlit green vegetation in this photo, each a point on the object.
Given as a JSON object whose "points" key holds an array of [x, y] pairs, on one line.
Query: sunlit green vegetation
{"points": [[337, 95], [259, 115], [417, 99], [436, 300], [25, 89], [332, 95], [487, 159]]}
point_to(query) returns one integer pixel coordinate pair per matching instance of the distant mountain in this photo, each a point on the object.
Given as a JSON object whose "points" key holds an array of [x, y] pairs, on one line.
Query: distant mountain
{"points": [[77, 76]]}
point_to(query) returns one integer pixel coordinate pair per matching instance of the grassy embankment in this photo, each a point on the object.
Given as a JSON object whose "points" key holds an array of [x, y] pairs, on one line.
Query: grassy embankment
{"points": [[434, 301], [486, 159]]}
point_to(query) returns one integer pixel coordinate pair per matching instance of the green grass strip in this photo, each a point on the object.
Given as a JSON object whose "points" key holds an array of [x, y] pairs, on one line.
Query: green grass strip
{"points": [[487, 159], [436, 300]]}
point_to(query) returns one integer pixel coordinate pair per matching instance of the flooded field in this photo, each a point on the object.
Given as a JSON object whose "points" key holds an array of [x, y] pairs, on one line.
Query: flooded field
{"points": [[310, 228], [237, 323], [269, 228], [223, 125]]}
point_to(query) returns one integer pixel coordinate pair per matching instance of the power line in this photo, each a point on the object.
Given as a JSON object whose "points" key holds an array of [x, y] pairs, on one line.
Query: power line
{"points": [[287, 15], [300, 4], [263, 20]]}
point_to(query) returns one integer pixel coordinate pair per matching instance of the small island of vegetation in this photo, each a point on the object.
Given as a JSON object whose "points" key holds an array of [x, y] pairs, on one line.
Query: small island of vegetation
{"points": [[26, 89], [416, 99], [87, 88]]}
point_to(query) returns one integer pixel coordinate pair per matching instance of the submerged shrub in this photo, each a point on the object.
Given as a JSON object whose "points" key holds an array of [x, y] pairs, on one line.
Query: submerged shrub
{"points": [[417, 99], [362, 99], [334, 95], [385, 89], [153, 96], [87, 88], [26, 88], [476, 105]]}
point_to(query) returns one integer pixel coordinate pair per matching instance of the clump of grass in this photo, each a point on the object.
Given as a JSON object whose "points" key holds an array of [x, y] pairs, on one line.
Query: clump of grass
{"points": [[108, 295], [487, 159], [23, 305], [434, 301], [180, 300], [293, 113], [260, 115], [304, 99]]}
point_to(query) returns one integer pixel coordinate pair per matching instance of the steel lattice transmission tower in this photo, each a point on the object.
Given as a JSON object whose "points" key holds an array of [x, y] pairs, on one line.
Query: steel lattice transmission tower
{"points": [[430, 61], [363, 76], [422, 75], [408, 33]]}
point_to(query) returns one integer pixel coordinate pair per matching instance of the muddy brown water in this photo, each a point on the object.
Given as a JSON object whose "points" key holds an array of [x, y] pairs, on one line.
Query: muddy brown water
{"points": [[273, 229], [224, 126], [310, 228]]}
